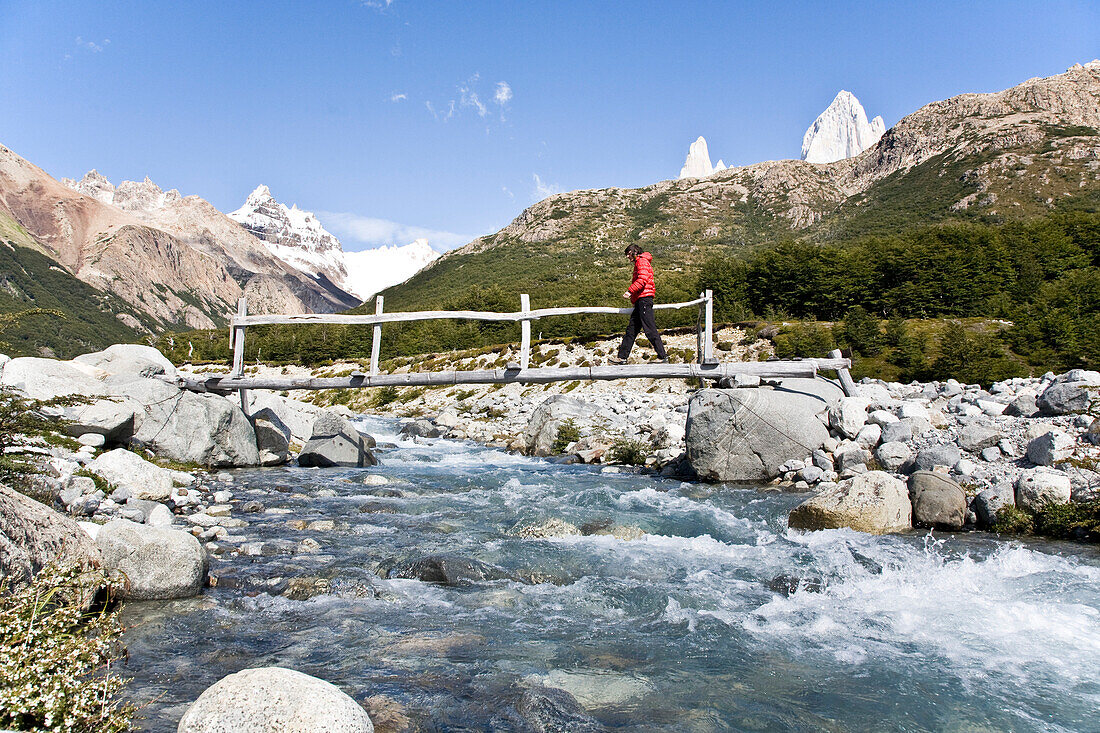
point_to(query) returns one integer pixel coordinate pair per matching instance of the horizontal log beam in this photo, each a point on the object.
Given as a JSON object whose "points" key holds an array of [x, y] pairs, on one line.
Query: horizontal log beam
{"points": [[806, 368], [373, 319]]}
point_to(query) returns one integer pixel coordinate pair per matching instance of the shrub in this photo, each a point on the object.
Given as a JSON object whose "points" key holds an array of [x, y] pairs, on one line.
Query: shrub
{"points": [[630, 452], [1012, 520], [810, 340], [55, 659], [568, 432], [860, 331]]}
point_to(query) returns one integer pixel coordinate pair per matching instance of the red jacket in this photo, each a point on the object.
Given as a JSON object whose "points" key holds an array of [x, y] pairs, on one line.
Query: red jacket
{"points": [[642, 286]]}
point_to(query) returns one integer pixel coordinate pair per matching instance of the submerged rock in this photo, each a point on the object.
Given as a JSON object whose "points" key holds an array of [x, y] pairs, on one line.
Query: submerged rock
{"points": [[443, 569], [274, 699], [553, 710]]}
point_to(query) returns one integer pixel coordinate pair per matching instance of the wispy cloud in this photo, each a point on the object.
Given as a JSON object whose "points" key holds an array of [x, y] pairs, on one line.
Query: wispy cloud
{"points": [[398, 97], [92, 45], [372, 232], [473, 95], [377, 4], [543, 189]]}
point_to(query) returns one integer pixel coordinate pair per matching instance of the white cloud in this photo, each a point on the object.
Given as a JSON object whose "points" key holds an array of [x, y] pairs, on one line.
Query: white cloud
{"points": [[443, 115], [507, 191], [398, 97], [377, 4], [470, 98], [372, 232], [542, 190], [503, 94]]}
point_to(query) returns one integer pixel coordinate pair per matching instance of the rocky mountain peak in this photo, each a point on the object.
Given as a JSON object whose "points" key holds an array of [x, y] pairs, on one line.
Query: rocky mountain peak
{"points": [[841, 131], [697, 164], [293, 235], [143, 196]]}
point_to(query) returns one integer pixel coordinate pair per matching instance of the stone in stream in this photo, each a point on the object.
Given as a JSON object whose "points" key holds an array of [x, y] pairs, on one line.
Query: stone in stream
{"points": [[553, 710], [443, 569], [274, 699], [272, 442], [938, 501], [336, 442], [748, 434], [553, 527], [421, 428], [873, 502], [156, 563]]}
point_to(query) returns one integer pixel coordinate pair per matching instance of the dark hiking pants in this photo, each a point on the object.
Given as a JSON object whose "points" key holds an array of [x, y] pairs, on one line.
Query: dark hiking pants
{"points": [[642, 320]]}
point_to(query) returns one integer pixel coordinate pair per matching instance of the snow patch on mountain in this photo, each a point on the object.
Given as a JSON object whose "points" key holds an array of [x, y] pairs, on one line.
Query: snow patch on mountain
{"points": [[841, 131], [373, 270]]}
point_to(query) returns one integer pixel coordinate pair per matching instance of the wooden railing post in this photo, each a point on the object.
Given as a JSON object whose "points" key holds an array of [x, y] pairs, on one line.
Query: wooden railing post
{"points": [[699, 332], [846, 382], [376, 339], [238, 349], [525, 331], [708, 332]]}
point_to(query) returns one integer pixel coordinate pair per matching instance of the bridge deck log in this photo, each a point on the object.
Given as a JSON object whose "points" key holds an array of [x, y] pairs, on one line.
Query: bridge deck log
{"points": [[806, 368]]}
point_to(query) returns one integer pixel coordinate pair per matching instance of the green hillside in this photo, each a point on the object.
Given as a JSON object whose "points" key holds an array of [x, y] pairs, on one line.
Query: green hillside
{"points": [[44, 307]]}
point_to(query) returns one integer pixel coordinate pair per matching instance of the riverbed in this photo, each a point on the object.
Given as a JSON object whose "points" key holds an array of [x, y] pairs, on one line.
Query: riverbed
{"points": [[717, 618]]}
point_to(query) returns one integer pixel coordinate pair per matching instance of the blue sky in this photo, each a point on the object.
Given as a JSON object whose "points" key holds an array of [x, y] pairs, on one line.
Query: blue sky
{"points": [[408, 118]]}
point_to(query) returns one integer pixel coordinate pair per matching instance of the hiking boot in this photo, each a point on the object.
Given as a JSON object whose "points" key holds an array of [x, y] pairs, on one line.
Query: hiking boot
{"points": [[616, 360], [661, 361]]}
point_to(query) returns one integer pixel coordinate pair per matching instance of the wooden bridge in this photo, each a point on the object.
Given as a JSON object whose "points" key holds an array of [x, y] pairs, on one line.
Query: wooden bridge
{"points": [[706, 366]]}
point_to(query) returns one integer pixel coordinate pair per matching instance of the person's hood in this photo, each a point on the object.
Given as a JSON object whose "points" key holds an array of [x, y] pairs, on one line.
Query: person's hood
{"points": [[645, 256]]}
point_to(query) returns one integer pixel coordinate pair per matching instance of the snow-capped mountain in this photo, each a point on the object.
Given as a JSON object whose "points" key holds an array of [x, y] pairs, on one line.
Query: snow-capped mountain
{"points": [[697, 164], [372, 270], [841, 131], [298, 238], [294, 236]]}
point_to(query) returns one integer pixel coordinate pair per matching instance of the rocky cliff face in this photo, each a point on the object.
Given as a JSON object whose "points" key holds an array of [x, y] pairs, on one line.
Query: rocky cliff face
{"points": [[175, 258], [841, 131]]}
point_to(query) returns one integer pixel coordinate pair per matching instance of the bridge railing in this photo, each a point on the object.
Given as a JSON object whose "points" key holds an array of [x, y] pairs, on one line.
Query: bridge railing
{"points": [[525, 315]]}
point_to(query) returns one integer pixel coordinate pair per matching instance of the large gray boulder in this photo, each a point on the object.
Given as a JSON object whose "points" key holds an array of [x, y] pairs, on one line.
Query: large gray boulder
{"points": [[188, 427], [938, 501], [848, 415], [1040, 487], [135, 359], [270, 699], [272, 441], [1071, 392], [542, 426], [1050, 448], [32, 536], [156, 563], [44, 379], [125, 470], [937, 455], [292, 416], [336, 442], [114, 418], [747, 434], [873, 502], [976, 437]]}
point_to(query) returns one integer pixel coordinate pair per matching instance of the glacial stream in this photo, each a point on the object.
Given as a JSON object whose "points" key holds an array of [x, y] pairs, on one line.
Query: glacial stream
{"points": [[716, 619]]}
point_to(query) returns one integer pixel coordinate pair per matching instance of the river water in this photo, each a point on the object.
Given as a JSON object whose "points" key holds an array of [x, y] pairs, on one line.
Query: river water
{"points": [[716, 619]]}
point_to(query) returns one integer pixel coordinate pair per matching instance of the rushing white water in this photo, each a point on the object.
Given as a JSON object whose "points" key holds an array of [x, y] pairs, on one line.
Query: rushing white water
{"points": [[717, 618]]}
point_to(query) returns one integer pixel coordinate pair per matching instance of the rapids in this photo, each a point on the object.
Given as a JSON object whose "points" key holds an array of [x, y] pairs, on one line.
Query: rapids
{"points": [[716, 619]]}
